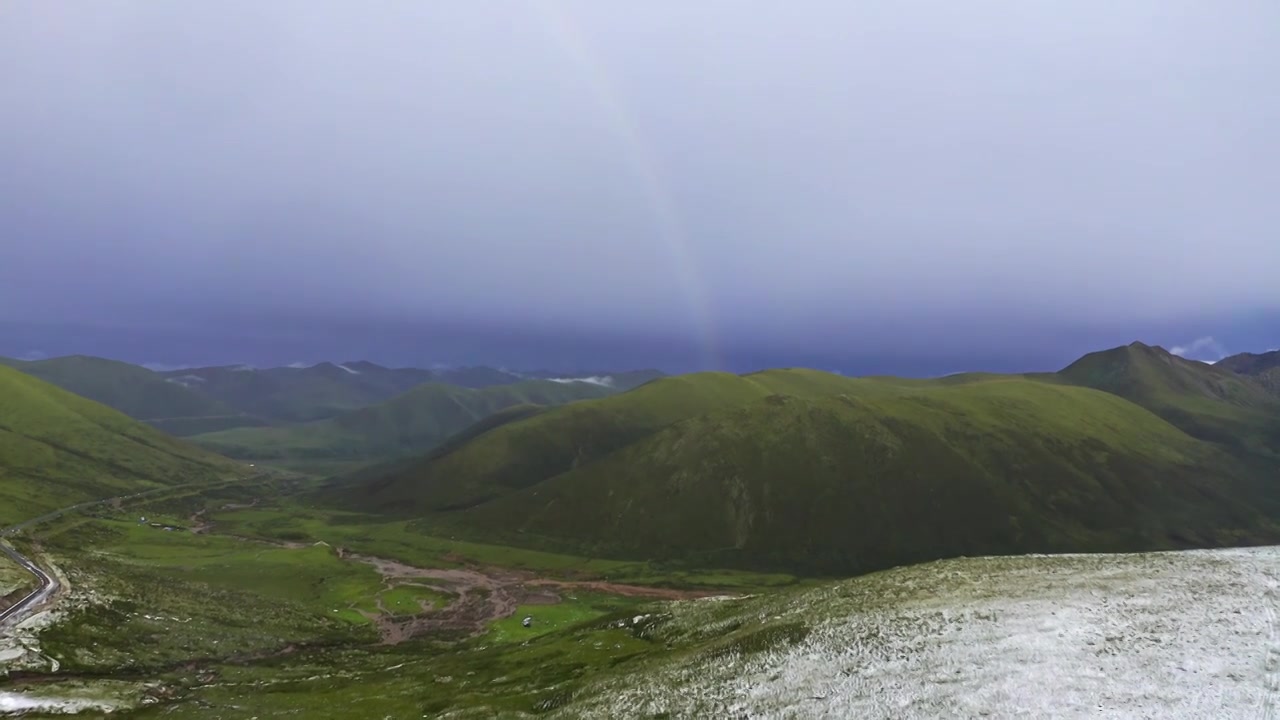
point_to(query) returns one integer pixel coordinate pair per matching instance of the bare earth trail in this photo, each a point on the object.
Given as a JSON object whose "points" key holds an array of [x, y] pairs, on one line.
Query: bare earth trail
{"points": [[485, 594]]}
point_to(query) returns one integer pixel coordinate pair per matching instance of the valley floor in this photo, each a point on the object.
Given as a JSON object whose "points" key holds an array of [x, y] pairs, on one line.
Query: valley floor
{"points": [[1190, 634], [229, 604]]}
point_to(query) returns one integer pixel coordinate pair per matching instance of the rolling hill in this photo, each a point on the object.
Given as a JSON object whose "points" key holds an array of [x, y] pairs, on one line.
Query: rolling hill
{"points": [[1264, 368], [133, 390], [414, 421], [57, 449], [1209, 402], [137, 392], [803, 470]]}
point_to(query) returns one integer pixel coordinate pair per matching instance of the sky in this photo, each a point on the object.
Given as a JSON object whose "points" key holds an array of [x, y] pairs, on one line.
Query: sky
{"points": [[917, 187]]}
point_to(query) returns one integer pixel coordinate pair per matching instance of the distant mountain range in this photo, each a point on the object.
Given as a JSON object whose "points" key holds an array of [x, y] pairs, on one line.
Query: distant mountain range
{"points": [[1131, 448], [200, 400], [416, 420]]}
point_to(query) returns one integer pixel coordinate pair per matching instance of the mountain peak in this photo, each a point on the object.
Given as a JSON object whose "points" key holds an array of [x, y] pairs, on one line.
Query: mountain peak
{"points": [[1251, 363]]}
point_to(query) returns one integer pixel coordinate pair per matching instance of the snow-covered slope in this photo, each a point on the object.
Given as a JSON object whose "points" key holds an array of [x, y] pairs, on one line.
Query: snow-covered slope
{"points": [[1164, 635]]}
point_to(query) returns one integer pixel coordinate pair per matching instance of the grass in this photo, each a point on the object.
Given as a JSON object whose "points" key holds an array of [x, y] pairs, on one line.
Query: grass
{"points": [[796, 470], [145, 600], [413, 543], [414, 421], [205, 623], [928, 631], [574, 610], [790, 469], [133, 390], [411, 599], [1206, 401], [14, 579], [58, 449], [311, 576]]}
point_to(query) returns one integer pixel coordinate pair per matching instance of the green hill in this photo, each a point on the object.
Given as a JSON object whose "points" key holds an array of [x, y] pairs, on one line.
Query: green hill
{"points": [[57, 449], [1264, 368], [133, 390], [136, 392], [799, 469], [414, 421], [522, 453], [1207, 401]]}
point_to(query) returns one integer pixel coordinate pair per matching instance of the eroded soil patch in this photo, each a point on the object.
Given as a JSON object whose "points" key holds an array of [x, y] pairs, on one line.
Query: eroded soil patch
{"points": [[484, 595]]}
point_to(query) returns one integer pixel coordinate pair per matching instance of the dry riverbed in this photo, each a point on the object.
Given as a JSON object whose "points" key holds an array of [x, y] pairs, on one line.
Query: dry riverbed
{"points": [[480, 596]]}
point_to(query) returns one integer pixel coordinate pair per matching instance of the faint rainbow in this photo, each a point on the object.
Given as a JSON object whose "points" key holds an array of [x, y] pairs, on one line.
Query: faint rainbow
{"points": [[666, 216]]}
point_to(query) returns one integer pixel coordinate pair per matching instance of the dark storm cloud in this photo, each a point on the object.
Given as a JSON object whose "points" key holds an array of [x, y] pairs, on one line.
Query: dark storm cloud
{"points": [[705, 182]]}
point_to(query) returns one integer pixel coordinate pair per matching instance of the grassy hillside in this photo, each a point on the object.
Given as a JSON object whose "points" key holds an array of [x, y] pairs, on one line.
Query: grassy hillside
{"points": [[522, 453], [1264, 368], [138, 393], [57, 449], [414, 421], [133, 390], [804, 470], [1207, 401]]}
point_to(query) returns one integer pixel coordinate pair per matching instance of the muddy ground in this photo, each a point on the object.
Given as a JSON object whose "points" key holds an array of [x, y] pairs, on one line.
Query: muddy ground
{"points": [[482, 595]]}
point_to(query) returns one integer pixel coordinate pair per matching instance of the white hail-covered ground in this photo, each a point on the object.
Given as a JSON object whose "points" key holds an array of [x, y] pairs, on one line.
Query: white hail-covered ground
{"points": [[1164, 635]]}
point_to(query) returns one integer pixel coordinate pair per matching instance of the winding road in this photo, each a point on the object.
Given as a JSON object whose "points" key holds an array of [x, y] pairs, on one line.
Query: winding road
{"points": [[48, 585]]}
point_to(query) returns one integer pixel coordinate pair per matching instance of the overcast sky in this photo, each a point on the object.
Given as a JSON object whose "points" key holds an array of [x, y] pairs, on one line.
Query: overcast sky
{"points": [[918, 186]]}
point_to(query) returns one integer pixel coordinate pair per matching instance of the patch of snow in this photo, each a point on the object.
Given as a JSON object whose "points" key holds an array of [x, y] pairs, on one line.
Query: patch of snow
{"points": [[601, 380], [185, 380], [353, 372], [1189, 634], [18, 703]]}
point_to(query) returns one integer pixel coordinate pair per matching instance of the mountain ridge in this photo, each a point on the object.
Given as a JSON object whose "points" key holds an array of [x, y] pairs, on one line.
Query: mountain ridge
{"points": [[1125, 449], [198, 400], [416, 420]]}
